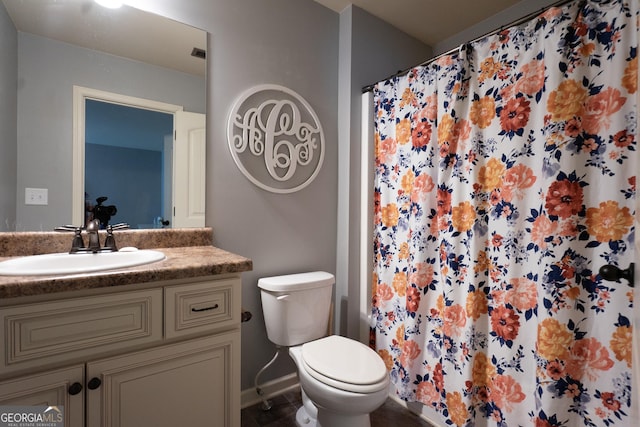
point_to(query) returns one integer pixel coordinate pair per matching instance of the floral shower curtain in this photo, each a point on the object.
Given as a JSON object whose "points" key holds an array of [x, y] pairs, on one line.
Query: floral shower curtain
{"points": [[505, 177]]}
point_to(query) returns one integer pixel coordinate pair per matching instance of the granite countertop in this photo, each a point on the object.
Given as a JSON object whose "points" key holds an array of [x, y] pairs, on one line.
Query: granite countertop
{"points": [[189, 254]]}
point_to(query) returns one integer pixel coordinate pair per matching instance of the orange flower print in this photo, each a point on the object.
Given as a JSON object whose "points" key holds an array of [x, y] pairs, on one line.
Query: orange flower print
{"points": [[386, 358], [400, 336], [542, 228], [630, 76], [599, 108], [587, 356], [384, 293], [532, 79], [490, 175], [566, 101], [608, 221], [431, 110], [477, 304], [427, 394], [587, 49], [488, 69], [523, 295], [421, 134], [564, 198], [505, 392], [555, 370], [390, 215], [483, 111], [623, 139], [463, 216], [573, 128], [446, 125], [413, 299], [403, 131], [462, 130], [620, 344], [505, 322], [385, 149], [422, 276], [483, 263], [410, 352], [400, 283], [483, 370], [443, 202], [408, 98], [609, 401], [403, 251], [438, 376], [515, 114], [422, 185], [517, 179], [457, 409], [554, 340], [407, 181], [440, 304], [454, 320]]}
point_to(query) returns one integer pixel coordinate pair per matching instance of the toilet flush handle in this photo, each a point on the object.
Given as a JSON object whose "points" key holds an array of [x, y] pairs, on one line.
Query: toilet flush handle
{"points": [[282, 297]]}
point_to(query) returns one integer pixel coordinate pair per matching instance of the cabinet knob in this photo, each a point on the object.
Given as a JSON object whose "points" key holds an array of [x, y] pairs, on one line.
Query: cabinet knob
{"points": [[94, 383], [75, 388]]}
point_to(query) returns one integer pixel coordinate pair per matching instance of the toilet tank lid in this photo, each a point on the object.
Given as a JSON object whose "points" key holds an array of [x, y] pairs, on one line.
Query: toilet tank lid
{"points": [[292, 282]]}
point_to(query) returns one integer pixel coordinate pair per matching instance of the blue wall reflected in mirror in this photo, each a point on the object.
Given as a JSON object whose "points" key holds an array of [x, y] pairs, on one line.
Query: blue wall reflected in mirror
{"points": [[128, 155]]}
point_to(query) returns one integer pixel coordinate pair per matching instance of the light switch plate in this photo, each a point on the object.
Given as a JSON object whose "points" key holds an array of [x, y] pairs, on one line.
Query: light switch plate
{"points": [[36, 196]]}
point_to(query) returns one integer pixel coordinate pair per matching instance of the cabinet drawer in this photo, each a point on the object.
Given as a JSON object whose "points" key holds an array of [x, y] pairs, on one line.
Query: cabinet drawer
{"points": [[79, 327], [201, 307]]}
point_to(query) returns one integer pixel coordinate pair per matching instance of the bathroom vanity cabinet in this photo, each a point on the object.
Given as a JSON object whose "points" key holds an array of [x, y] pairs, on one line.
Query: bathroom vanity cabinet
{"points": [[155, 345], [167, 355]]}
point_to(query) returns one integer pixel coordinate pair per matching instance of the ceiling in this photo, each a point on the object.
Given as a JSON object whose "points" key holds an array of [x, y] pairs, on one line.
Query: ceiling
{"points": [[430, 21], [84, 23], [126, 32]]}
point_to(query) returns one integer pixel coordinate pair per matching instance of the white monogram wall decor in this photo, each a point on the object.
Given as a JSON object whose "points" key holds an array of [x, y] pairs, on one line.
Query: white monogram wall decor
{"points": [[275, 138]]}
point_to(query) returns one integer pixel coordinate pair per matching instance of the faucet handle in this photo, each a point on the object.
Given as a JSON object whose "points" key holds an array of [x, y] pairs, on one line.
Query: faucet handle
{"points": [[78, 242], [67, 228], [120, 226], [110, 241]]}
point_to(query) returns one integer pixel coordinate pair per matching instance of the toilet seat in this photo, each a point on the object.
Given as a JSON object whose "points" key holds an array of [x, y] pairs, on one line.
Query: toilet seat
{"points": [[345, 364]]}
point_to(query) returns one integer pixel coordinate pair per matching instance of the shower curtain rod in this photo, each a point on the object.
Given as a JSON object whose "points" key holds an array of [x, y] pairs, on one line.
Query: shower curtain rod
{"points": [[519, 21]]}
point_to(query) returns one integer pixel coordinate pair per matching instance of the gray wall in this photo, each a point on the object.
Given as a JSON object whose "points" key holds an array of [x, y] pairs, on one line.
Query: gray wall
{"points": [[293, 43], [47, 70], [370, 50], [8, 120]]}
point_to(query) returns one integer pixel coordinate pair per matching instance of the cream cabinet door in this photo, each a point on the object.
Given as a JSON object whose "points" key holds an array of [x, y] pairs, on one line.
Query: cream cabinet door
{"points": [[192, 383], [61, 387]]}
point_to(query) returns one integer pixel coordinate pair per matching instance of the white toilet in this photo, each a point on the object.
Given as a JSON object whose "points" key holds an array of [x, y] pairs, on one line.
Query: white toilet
{"points": [[342, 380]]}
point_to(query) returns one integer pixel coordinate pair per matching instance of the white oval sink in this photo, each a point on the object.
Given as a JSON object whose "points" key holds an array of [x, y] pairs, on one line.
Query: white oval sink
{"points": [[66, 263]]}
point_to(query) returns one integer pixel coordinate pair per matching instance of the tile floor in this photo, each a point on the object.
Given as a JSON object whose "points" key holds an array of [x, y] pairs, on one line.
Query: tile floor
{"points": [[284, 407]]}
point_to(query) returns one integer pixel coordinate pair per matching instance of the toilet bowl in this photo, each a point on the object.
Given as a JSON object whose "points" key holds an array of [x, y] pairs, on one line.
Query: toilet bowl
{"points": [[342, 380]]}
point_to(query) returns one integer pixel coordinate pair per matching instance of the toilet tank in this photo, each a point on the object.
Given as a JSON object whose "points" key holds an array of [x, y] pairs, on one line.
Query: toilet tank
{"points": [[296, 307]]}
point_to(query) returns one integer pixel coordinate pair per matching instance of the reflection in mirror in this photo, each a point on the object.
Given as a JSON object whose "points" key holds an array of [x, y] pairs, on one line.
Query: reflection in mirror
{"points": [[67, 43], [126, 153]]}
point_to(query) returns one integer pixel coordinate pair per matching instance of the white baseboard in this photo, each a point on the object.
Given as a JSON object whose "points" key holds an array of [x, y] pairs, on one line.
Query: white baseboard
{"points": [[269, 389]]}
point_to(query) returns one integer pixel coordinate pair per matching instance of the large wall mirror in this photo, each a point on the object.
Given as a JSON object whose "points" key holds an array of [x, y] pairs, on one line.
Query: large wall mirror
{"points": [[110, 103]]}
